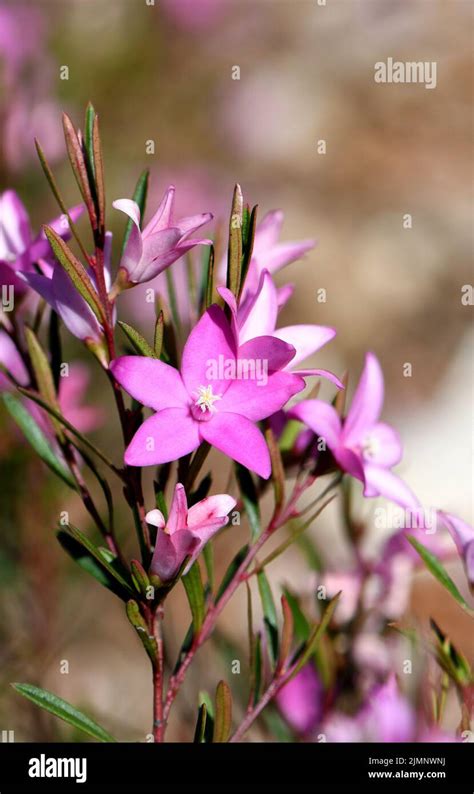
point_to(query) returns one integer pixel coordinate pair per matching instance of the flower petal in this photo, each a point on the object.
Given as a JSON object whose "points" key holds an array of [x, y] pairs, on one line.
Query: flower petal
{"points": [[170, 552], [15, 232], [366, 403], [382, 482], [387, 445], [163, 437], [237, 437], [258, 398], [156, 518], [133, 251], [258, 315], [150, 381], [274, 352], [177, 518], [306, 339], [162, 217], [322, 418], [210, 509], [210, 338]]}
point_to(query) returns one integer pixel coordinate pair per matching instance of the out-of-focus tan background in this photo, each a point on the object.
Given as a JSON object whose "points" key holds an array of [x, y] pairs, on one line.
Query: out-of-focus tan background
{"points": [[164, 73]]}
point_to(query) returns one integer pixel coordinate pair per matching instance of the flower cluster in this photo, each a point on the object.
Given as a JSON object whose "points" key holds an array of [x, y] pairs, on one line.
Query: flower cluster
{"points": [[231, 389]]}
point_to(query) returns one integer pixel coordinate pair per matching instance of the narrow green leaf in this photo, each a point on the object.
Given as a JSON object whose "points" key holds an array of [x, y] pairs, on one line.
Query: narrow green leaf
{"points": [[210, 295], [112, 569], [231, 570], [316, 635], [78, 164], [43, 374], [62, 709], [257, 676], [248, 492], [136, 619], [195, 592], [54, 340], [138, 341], [37, 439], [140, 577], [439, 572], [248, 242], [278, 471], [37, 399], [183, 651], [287, 632], [57, 195], [300, 622], [76, 272], [99, 172], [139, 196], [88, 136], [269, 615], [223, 718], [200, 730], [234, 260], [208, 554], [159, 333]]}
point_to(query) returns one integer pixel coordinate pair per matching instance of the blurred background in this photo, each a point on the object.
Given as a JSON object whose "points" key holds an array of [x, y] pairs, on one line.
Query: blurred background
{"points": [[165, 74]]}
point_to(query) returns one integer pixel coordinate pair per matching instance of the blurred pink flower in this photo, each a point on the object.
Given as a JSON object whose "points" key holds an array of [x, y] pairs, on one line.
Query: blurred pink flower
{"points": [[362, 446], [57, 289], [19, 250], [203, 403], [194, 14], [161, 242], [11, 359], [186, 531], [301, 700], [257, 316], [463, 536]]}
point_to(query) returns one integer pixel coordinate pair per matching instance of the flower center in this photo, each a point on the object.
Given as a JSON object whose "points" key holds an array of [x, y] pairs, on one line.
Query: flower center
{"points": [[206, 399], [370, 447]]}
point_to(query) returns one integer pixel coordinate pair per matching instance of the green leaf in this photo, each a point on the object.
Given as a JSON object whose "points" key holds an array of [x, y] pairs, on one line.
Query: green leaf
{"points": [[89, 564], [138, 341], [223, 718], [210, 292], [37, 439], [43, 375], [278, 471], [269, 615], [234, 260], [136, 619], [248, 237], [208, 554], [37, 399], [139, 577], [88, 136], [62, 709], [99, 172], [439, 572], [231, 570], [76, 272], [113, 569], [195, 592], [300, 622], [200, 730], [159, 333], [139, 196], [57, 195], [249, 496], [287, 632], [79, 167], [257, 673], [316, 635]]}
